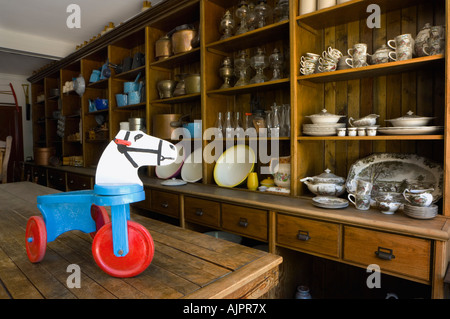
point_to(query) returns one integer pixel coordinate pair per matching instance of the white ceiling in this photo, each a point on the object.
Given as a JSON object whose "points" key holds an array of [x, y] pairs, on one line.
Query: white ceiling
{"points": [[35, 32]]}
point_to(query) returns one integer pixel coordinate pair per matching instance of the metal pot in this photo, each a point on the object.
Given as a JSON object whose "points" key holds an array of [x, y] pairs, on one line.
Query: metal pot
{"points": [[192, 83], [137, 123], [164, 125], [163, 48], [166, 88], [182, 37]]}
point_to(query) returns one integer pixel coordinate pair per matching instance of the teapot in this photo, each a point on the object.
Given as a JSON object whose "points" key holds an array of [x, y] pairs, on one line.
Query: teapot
{"points": [[421, 41], [419, 197], [281, 171], [369, 120], [325, 184]]}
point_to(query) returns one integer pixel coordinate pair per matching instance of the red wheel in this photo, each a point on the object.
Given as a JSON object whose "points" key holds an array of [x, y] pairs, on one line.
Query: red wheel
{"points": [[36, 239], [101, 217], [139, 257]]}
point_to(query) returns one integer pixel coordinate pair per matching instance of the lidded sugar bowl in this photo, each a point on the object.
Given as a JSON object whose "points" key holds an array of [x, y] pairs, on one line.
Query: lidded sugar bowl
{"points": [[325, 184]]}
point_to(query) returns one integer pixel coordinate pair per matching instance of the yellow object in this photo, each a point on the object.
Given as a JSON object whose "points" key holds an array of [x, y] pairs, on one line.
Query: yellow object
{"points": [[267, 182], [252, 181]]}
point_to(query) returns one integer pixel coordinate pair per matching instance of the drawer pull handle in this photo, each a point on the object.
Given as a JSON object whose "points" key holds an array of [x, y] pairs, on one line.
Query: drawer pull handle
{"points": [[384, 253], [303, 235], [243, 222], [199, 212], [164, 205]]}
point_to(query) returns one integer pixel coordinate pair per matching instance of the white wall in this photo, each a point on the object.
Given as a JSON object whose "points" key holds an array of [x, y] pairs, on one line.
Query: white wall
{"points": [[17, 81]]}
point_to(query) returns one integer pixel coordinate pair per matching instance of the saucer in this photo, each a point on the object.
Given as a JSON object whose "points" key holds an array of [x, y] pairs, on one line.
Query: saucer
{"points": [[329, 202]]}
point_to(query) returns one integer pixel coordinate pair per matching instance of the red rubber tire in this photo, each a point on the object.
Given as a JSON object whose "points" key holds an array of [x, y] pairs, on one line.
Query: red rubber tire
{"points": [[139, 257], [100, 216], [36, 239]]}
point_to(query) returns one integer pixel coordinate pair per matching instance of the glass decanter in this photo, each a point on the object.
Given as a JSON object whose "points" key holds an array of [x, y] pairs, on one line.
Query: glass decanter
{"points": [[276, 63], [226, 72], [281, 11], [241, 65], [259, 62], [241, 14], [227, 25], [263, 11]]}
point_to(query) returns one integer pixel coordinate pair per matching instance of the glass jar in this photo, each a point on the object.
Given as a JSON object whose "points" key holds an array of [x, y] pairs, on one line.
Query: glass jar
{"points": [[263, 12], [276, 62], [302, 293], [241, 65]]}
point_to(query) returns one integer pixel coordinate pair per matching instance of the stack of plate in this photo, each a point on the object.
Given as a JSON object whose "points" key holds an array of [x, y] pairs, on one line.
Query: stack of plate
{"points": [[420, 212], [321, 129]]}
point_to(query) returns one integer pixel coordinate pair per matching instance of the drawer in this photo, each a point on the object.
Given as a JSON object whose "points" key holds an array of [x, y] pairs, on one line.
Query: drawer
{"points": [[308, 235], [202, 211], [56, 179], [394, 253], [165, 203], [249, 222], [78, 182], [146, 203]]}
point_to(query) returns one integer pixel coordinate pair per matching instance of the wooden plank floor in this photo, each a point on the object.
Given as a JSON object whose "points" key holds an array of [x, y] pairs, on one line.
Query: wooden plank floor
{"points": [[186, 264]]}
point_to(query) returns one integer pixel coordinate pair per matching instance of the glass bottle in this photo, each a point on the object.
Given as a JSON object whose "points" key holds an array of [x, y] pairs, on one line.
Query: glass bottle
{"points": [[238, 125], [275, 131], [248, 121], [241, 14], [218, 126], [281, 11], [287, 119], [269, 122], [302, 293], [228, 127], [259, 122], [263, 11], [259, 62]]}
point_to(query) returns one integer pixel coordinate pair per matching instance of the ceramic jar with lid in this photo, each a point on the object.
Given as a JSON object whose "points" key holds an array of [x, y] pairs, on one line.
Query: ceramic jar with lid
{"points": [[325, 184], [410, 120], [325, 118]]}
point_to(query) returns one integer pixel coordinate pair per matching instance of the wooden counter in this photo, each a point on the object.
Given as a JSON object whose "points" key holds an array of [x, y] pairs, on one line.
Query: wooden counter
{"points": [[186, 264]]}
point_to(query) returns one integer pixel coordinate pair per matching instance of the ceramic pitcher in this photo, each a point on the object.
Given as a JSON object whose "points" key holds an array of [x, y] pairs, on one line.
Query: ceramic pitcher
{"points": [[281, 171]]}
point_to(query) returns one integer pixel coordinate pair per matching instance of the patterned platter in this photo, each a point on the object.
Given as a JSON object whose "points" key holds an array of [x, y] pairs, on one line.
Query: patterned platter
{"points": [[393, 172]]}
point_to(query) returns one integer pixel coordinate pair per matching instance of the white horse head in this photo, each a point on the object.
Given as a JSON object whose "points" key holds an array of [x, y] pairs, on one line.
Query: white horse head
{"points": [[128, 151]]}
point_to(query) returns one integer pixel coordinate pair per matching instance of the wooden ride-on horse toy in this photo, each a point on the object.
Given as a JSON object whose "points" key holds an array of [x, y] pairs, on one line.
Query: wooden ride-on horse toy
{"points": [[121, 248]]}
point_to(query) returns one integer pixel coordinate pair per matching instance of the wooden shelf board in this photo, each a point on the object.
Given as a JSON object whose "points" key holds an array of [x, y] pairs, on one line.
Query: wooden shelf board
{"points": [[181, 58], [132, 107], [131, 74], [370, 138], [178, 99], [373, 70], [251, 87], [252, 38], [349, 11], [101, 84]]}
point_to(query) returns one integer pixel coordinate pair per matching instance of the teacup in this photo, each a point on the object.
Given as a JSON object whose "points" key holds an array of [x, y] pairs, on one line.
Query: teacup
{"points": [[361, 202], [403, 46], [363, 187], [361, 131], [387, 204], [436, 42], [419, 197], [371, 131], [341, 131]]}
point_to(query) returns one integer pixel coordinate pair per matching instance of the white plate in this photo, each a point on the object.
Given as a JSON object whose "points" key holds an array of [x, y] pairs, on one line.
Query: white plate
{"points": [[313, 133], [399, 130]]}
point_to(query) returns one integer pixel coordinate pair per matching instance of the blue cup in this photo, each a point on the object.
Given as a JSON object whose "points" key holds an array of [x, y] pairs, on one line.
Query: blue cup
{"points": [[101, 104], [95, 76], [134, 97], [130, 87], [195, 129], [121, 99]]}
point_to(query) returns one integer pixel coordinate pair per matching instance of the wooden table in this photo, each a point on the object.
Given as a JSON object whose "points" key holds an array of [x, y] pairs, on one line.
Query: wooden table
{"points": [[186, 264]]}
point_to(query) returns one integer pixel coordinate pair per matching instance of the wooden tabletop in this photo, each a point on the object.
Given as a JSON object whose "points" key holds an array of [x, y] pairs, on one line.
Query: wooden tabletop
{"points": [[186, 264]]}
